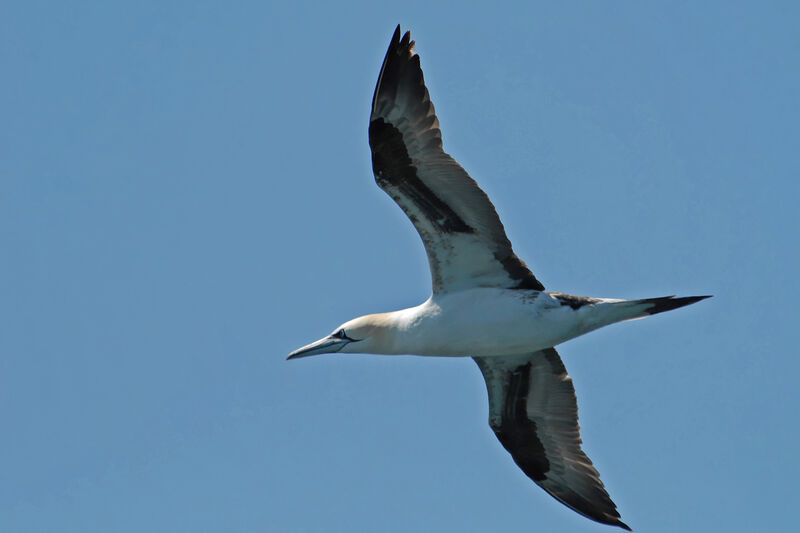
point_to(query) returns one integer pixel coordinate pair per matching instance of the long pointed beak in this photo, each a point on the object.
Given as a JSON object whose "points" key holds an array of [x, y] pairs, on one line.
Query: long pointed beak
{"points": [[326, 345]]}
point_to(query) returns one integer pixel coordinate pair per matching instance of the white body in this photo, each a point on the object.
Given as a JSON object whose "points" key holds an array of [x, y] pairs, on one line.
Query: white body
{"points": [[488, 322], [486, 303]]}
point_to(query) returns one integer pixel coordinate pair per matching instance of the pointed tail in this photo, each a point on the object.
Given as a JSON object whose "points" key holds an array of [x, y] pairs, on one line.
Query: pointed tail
{"points": [[667, 303], [612, 311]]}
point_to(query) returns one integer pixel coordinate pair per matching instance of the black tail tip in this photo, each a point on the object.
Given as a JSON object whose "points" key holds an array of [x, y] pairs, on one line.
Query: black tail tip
{"points": [[668, 303]]}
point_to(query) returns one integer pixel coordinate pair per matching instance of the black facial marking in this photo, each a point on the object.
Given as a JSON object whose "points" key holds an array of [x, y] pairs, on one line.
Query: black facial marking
{"points": [[393, 166], [342, 335]]}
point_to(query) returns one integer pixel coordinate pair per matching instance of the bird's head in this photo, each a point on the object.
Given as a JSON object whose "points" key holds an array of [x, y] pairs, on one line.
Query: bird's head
{"points": [[364, 334]]}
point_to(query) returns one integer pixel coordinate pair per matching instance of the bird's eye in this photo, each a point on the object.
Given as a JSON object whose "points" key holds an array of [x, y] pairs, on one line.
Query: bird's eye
{"points": [[342, 335]]}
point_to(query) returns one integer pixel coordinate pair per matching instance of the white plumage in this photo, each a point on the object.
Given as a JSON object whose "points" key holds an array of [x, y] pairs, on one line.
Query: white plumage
{"points": [[485, 302]]}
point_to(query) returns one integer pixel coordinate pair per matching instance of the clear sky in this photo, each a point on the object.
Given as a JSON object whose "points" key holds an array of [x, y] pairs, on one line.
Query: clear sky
{"points": [[186, 196]]}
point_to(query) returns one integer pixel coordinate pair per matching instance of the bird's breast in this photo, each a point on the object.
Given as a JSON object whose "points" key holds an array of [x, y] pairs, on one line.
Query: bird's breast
{"points": [[485, 322]]}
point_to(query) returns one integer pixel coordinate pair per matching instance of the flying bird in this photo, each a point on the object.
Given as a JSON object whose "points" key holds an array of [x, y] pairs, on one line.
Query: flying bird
{"points": [[485, 302]]}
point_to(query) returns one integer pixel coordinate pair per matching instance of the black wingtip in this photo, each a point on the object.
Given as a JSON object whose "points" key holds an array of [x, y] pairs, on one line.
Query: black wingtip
{"points": [[609, 520], [406, 39], [668, 303], [398, 43]]}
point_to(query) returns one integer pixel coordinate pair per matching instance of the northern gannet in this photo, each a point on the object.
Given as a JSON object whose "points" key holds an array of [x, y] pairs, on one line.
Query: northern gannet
{"points": [[485, 303]]}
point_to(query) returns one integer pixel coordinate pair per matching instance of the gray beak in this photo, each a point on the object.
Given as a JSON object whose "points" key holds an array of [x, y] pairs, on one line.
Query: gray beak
{"points": [[326, 345]]}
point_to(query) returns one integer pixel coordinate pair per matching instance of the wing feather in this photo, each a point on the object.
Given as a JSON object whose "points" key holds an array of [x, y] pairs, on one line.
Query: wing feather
{"points": [[534, 414], [464, 239]]}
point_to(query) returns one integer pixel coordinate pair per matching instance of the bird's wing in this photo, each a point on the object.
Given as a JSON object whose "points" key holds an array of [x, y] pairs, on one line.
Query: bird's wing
{"points": [[464, 239], [534, 413]]}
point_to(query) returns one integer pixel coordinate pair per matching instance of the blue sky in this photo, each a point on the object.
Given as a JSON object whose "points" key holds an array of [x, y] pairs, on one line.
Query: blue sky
{"points": [[186, 196]]}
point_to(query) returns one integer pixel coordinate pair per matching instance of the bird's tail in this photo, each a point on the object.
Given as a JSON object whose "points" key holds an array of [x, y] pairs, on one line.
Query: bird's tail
{"points": [[634, 309]]}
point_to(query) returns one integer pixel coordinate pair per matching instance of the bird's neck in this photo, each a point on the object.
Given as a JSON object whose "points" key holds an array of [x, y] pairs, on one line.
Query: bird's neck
{"points": [[398, 332]]}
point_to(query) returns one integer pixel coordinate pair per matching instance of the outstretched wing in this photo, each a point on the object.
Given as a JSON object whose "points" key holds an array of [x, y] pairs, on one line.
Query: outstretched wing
{"points": [[464, 239], [534, 413]]}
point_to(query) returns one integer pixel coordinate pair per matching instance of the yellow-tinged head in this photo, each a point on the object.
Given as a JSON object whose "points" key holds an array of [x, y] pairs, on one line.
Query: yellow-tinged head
{"points": [[365, 334]]}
